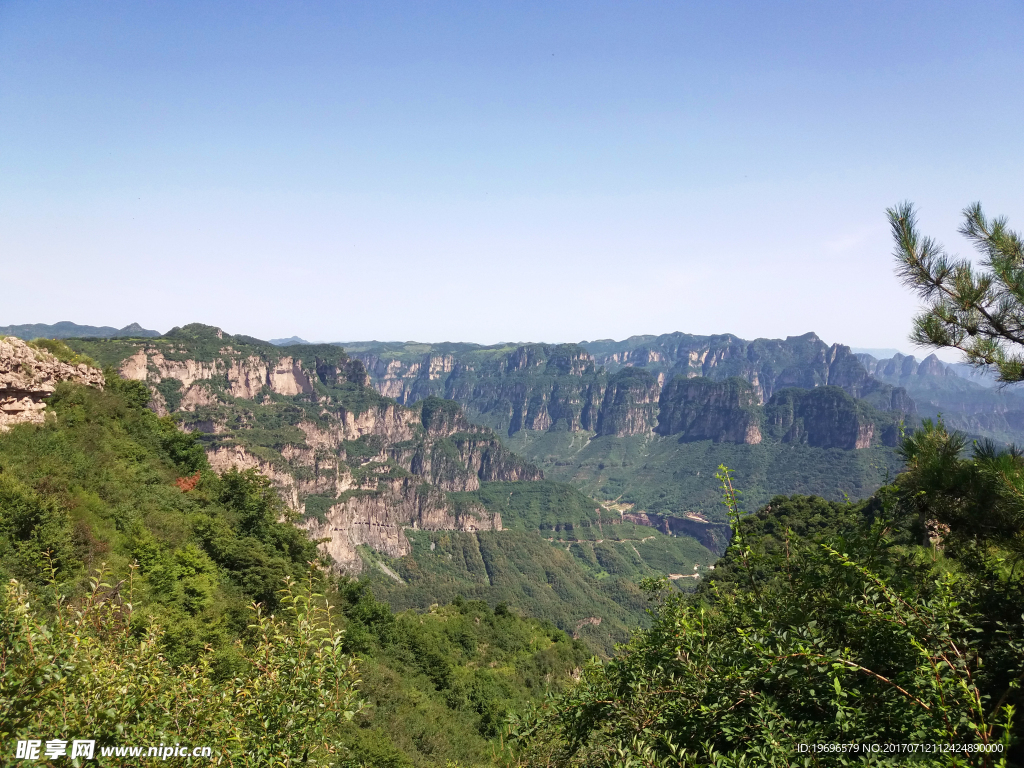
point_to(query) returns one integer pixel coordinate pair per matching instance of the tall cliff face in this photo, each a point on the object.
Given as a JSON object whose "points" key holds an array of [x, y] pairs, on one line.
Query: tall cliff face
{"points": [[767, 364], [573, 387], [702, 409], [455, 455], [29, 375], [630, 405], [827, 418], [536, 387], [899, 367], [359, 466], [378, 519], [728, 411]]}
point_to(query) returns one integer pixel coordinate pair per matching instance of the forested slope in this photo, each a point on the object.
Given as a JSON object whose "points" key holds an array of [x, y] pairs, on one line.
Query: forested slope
{"points": [[107, 483]]}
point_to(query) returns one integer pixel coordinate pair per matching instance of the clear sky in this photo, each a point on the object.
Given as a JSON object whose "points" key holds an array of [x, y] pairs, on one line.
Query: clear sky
{"points": [[491, 172]]}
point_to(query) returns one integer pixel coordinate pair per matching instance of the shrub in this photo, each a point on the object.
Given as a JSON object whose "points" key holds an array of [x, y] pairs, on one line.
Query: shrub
{"points": [[90, 672]]}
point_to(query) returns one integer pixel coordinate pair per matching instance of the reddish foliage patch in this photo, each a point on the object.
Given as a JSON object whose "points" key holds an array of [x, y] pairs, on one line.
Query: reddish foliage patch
{"points": [[187, 483]]}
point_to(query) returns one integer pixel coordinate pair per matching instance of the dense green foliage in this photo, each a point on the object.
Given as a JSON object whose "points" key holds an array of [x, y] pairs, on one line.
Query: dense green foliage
{"points": [[87, 669], [518, 568], [827, 623], [440, 685], [97, 485], [107, 483], [62, 351]]}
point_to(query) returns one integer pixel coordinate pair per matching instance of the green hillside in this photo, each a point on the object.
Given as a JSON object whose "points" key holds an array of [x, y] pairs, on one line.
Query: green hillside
{"points": [[560, 557], [826, 624], [106, 483], [666, 476]]}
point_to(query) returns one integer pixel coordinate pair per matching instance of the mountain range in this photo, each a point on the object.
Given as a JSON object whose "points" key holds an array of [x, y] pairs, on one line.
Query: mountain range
{"points": [[553, 477], [966, 399], [416, 498], [68, 330]]}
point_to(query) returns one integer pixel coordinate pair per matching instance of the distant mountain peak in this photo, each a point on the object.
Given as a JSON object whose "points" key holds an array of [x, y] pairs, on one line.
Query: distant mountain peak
{"points": [[290, 341]]}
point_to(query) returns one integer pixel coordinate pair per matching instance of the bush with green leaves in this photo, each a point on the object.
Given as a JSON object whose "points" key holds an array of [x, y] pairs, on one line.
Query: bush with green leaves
{"points": [[87, 669], [976, 308], [62, 351], [861, 637]]}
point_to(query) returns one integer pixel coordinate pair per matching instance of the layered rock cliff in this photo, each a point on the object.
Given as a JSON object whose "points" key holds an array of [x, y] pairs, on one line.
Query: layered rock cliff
{"points": [[767, 364], [728, 412], [620, 388], [702, 409], [29, 374], [899, 367], [630, 405], [359, 466], [827, 417]]}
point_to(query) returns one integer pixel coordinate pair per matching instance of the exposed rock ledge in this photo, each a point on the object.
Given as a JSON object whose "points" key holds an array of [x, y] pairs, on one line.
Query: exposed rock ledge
{"points": [[375, 517], [28, 376]]}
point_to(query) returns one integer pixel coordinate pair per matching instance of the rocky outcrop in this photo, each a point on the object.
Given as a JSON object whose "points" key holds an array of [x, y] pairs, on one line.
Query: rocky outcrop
{"points": [[701, 409], [197, 396], [630, 405], [826, 418], [460, 462], [358, 466], [244, 377], [965, 398], [900, 366], [237, 366], [247, 377], [533, 386], [28, 376], [767, 364], [714, 536], [321, 474], [727, 411], [457, 455], [377, 519]]}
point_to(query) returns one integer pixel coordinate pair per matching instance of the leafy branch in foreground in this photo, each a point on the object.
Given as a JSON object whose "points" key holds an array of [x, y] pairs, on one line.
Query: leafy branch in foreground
{"points": [[978, 311], [90, 670]]}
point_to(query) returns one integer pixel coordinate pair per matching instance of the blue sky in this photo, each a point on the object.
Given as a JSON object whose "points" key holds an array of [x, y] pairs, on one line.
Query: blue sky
{"points": [[495, 171]]}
